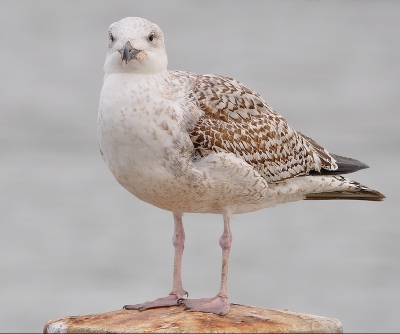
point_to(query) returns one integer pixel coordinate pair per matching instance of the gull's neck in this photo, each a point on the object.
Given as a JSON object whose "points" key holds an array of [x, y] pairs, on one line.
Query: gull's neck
{"points": [[140, 76]]}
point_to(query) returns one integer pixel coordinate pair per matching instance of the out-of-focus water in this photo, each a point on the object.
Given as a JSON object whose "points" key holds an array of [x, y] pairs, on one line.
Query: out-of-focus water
{"points": [[73, 241]]}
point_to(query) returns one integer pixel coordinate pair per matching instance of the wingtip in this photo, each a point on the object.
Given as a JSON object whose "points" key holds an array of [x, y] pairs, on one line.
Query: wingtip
{"points": [[348, 165]]}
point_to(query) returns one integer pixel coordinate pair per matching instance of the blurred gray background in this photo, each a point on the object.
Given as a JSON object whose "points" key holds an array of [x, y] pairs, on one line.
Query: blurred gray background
{"points": [[74, 242]]}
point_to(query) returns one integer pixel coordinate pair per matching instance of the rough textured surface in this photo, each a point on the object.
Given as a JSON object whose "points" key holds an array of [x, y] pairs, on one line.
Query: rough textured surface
{"points": [[240, 319]]}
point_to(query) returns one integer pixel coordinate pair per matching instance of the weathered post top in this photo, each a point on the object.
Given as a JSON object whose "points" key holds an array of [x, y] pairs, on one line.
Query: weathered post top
{"points": [[240, 319]]}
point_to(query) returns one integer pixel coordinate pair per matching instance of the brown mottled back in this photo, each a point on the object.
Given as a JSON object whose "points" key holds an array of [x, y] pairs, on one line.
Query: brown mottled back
{"points": [[239, 121]]}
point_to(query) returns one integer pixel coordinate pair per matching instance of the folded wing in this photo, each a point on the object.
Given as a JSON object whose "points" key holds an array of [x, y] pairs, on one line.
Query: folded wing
{"points": [[238, 120]]}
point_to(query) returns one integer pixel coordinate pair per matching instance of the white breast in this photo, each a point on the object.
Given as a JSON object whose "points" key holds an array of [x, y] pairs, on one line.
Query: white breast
{"points": [[141, 137], [132, 113]]}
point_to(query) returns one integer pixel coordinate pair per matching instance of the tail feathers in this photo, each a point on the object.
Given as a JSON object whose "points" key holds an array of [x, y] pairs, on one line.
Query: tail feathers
{"points": [[364, 194]]}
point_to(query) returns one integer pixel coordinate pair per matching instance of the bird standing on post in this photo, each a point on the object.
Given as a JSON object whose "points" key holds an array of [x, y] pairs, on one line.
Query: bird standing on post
{"points": [[203, 143]]}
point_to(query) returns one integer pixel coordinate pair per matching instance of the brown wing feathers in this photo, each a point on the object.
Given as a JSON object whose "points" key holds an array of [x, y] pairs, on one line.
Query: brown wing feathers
{"points": [[238, 120]]}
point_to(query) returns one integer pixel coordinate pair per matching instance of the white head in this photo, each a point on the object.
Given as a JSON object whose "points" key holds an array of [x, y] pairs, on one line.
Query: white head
{"points": [[135, 46]]}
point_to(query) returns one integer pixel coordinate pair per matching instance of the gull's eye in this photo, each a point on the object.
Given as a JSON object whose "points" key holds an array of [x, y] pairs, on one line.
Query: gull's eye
{"points": [[151, 37], [111, 37]]}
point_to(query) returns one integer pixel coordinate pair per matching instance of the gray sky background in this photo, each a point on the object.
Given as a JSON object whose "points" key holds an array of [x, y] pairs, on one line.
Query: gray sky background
{"points": [[74, 242]]}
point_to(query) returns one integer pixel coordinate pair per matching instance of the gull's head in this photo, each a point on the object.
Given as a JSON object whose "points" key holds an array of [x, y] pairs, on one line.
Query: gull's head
{"points": [[135, 46]]}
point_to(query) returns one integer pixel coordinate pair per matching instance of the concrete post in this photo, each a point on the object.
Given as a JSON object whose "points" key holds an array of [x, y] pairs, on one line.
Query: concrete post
{"points": [[240, 319]]}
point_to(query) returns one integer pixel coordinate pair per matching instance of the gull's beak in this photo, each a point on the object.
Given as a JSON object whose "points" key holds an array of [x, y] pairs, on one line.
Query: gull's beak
{"points": [[128, 52]]}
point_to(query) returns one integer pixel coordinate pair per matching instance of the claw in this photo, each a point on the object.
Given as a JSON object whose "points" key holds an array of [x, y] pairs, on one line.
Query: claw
{"points": [[186, 293], [187, 308], [180, 300]]}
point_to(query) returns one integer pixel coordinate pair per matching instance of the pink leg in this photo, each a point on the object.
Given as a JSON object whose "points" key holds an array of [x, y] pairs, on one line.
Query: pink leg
{"points": [[218, 304], [177, 292]]}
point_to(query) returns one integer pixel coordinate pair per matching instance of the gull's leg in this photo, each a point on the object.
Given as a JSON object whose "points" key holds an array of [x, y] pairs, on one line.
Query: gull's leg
{"points": [[177, 292], [218, 304], [178, 240]]}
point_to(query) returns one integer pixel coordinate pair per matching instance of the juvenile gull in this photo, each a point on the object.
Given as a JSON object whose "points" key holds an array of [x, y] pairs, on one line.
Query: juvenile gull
{"points": [[203, 143]]}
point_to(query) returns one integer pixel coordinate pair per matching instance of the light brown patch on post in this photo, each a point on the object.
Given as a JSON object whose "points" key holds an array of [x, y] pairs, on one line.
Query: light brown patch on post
{"points": [[240, 319]]}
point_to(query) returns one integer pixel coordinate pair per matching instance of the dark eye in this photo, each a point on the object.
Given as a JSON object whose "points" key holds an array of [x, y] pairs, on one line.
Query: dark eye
{"points": [[111, 37], [151, 37]]}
